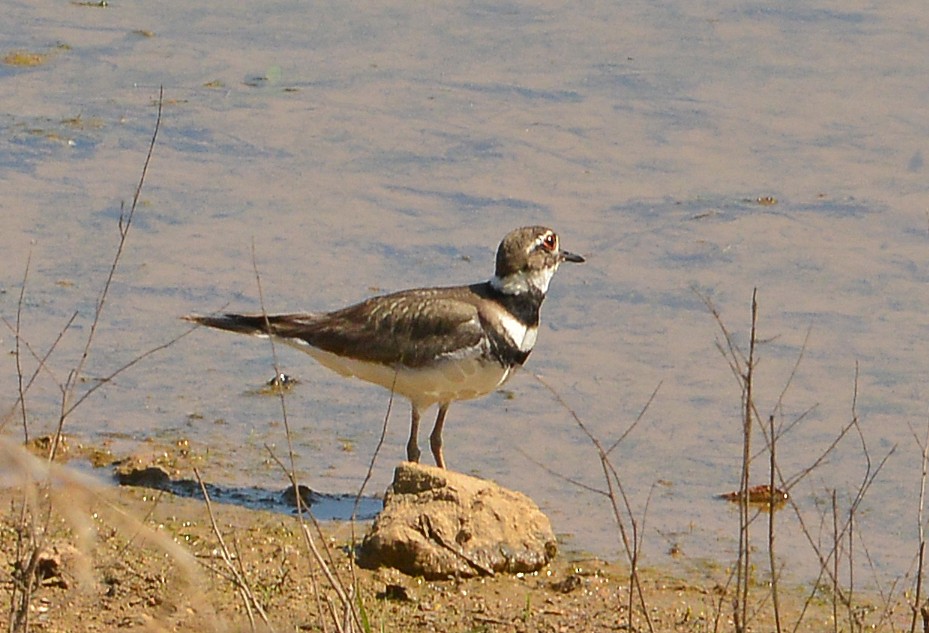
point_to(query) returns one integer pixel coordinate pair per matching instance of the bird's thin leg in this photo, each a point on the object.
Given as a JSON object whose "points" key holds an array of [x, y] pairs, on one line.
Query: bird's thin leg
{"points": [[435, 438], [412, 445]]}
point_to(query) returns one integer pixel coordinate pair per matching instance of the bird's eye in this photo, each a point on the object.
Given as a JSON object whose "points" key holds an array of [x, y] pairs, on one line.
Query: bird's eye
{"points": [[550, 242]]}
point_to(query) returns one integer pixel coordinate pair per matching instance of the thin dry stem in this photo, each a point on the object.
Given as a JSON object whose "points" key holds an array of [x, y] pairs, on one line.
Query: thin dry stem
{"points": [[842, 530], [372, 461], [743, 577], [614, 485], [920, 511], [125, 222], [248, 598], [22, 593], [18, 350], [772, 559], [302, 511], [41, 365]]}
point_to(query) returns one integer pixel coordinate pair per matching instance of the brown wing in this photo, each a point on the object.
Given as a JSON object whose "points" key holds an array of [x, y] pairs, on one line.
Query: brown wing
{"points": [[411, 328]]}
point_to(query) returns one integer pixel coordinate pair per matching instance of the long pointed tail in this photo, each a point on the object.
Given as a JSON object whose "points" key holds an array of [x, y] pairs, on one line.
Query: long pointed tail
{"points": [[252, 324]]}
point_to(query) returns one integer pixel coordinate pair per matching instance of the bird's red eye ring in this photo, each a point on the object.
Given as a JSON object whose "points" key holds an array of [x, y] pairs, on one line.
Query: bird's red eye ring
{"points": [[550, 242]]}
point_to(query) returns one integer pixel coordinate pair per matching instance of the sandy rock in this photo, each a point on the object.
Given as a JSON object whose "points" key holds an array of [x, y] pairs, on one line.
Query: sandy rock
{"points": [[441, 524]]}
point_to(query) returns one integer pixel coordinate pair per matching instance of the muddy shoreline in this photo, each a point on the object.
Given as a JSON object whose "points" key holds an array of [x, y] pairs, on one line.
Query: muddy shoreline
{"points": [[129, 557]]}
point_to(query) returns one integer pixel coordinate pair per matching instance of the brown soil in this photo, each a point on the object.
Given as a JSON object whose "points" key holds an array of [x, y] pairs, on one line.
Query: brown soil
{"points": [[132, 558]]}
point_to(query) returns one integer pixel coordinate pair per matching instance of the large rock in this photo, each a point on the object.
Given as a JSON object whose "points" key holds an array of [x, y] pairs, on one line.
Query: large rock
{"points": [[441, 524]]}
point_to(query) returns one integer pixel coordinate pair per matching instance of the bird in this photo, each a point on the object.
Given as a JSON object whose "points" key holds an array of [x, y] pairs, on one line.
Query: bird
{"points": [[432, 345]]}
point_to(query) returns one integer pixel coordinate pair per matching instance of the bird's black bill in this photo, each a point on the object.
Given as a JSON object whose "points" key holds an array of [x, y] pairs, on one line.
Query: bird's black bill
{"points": [[571, 257]]}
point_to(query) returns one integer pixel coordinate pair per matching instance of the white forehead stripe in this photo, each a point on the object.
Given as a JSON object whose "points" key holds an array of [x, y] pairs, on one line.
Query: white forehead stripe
{"points": [[541, 240]]}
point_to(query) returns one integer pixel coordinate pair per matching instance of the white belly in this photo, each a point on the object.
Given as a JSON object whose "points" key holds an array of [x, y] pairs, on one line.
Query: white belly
{"points": [[457, 379]]}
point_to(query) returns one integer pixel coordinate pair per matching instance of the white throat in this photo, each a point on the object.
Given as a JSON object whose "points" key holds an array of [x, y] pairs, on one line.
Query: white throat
{"points": [[524, 281]]}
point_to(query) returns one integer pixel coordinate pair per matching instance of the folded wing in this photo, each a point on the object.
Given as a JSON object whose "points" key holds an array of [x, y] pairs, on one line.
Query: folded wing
{"points": [[399, 329]]}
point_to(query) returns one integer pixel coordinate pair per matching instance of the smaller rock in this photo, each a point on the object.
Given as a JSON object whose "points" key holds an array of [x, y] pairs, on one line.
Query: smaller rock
{"points": [[441, 524], [55, 565], [568, 584], [140, 471], [397, 593], [308, 496]]}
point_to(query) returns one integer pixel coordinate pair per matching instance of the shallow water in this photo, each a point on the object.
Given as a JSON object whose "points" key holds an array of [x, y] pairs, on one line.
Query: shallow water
{"points": [[346, 149]]}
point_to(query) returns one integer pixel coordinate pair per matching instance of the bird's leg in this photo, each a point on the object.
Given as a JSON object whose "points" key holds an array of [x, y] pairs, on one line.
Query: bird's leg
{"points": [[412, 445], [435, 438]]}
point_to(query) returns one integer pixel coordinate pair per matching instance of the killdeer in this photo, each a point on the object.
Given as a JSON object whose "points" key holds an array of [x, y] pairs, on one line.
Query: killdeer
{"points": [[430, 345]]}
